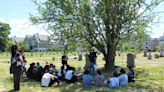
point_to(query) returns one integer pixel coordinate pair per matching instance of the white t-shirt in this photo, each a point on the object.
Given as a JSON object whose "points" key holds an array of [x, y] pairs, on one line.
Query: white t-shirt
{"points": [[123, 79], [114, 82], [46, 79], [69, 75]]}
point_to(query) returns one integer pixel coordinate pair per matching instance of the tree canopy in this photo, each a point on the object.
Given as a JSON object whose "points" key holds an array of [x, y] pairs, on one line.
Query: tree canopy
{"points": [[4, 40], [101, 23]]}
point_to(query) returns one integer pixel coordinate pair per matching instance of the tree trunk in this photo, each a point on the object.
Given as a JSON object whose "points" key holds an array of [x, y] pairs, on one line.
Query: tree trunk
{"points": [[110, 58]]}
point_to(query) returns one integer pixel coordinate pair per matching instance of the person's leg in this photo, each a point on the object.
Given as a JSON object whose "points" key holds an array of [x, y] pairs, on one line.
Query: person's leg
{"points": [[51, 83], [74, 78], [17, 76], [57, 80], [91, 69]]}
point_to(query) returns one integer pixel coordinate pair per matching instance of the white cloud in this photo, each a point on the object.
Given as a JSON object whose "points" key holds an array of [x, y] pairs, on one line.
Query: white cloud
{"points": [[157, 30], [2, 20], [23, 27]]}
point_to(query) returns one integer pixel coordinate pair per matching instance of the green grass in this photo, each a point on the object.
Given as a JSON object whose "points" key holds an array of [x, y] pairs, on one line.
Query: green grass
{"points": [[149, 77]]}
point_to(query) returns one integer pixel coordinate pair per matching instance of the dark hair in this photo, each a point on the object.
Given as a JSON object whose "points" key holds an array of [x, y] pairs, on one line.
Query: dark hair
{"points": [[51, 64], [33, 64], [129, 67], [86, 72], [99, 72], [46, 67], [115, 74], [122, 71], [13, 50], [38, 63]]}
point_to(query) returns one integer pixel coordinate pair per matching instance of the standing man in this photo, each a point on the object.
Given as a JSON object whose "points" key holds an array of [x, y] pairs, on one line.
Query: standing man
{"points": [[64, 59], [16, 61], [92, 59]]}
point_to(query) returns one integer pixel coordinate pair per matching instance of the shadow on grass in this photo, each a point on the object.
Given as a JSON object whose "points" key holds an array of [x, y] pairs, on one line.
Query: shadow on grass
{"points": [[139, 86]]}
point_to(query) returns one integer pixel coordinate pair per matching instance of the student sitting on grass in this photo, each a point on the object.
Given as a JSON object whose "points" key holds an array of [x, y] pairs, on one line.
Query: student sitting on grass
{"points": [[71, 75], [99, 79], [131, 75], [48, 79], [53, 69], [30, 70], [61, 73], [123, 78], [87, 79], [38, 65], [113, 81]]}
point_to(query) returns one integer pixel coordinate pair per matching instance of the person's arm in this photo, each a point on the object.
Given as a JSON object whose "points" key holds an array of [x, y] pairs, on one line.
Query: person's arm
{"points": [[53, 77], [20, 58]]}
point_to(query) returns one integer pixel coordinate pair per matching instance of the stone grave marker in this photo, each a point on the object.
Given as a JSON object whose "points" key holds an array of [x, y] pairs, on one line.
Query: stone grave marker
{"points": [[80, 57], [130, 60], [156, 56], [145, 53], [53, 58], [149, 56]]}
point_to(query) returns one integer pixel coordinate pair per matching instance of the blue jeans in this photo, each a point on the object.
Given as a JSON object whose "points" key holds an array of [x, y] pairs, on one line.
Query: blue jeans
{"points": [[92, 68]]}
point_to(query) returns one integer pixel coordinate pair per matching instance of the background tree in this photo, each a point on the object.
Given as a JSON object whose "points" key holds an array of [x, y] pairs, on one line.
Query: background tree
{"points": [[4, 39], [102, 23]]}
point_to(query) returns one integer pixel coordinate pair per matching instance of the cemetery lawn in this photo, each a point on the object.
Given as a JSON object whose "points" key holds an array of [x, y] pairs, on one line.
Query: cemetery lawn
{"points": [[149, 76]]}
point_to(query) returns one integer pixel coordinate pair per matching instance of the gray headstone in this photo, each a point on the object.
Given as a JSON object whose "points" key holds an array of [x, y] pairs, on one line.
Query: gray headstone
{"points": [[149, 56], [130, 60], [145, 53], [156, 56], [53, 58], [80, 57]]}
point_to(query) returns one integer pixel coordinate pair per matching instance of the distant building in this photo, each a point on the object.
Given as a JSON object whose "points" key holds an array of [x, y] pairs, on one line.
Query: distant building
{"points": [[152, 44], [38, 42], [148, 45], [17, 39], [161, 41]]}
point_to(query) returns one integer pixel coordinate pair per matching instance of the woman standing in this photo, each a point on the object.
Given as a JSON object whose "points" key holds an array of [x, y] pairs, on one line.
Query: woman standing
{"points": [[16, 69]]}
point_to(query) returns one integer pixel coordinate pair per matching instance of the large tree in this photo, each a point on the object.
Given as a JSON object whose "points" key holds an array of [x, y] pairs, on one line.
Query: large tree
{"points": [[4, 39], [102, 23]]}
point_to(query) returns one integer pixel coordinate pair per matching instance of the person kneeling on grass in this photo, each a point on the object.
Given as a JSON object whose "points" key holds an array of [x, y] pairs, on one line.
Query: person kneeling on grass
{"points": [[113, 81], [48, 79], [123, 78], [87, 79]]}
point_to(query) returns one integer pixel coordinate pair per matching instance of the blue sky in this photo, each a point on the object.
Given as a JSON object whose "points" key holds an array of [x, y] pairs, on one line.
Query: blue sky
{"points": [[16, 13]]}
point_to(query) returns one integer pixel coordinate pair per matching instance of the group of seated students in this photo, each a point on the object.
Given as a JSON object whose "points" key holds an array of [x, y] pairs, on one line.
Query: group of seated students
{"points": [[118, 79], [48, 75]]}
